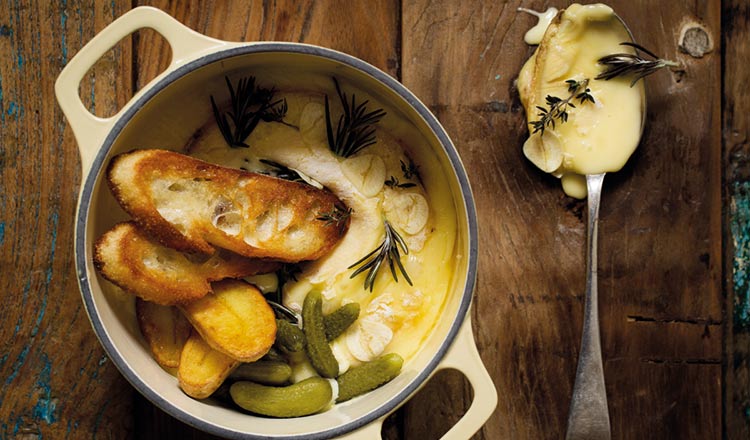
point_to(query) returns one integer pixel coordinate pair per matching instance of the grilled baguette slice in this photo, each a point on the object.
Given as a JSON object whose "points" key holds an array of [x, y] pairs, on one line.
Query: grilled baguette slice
{"points": [[191, 205], [127, 257]]}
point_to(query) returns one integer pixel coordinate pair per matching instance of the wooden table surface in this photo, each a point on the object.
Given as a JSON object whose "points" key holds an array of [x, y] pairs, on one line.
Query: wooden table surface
{"points": [[674, 231]]}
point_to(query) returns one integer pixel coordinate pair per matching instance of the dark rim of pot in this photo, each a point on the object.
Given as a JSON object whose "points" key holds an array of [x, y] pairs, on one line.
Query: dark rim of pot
{"points": [[98, 165]]}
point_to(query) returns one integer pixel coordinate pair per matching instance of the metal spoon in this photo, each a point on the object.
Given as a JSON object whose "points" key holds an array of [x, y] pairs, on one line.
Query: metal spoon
{"points": [[589, 416]]}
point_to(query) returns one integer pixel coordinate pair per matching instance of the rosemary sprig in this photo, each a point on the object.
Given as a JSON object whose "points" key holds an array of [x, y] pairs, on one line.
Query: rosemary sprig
{"points": [[355, 129], [627, 64], [283, 172], [338, 216], [558, 107], [393, 182], [387, 251], [250, 104]]}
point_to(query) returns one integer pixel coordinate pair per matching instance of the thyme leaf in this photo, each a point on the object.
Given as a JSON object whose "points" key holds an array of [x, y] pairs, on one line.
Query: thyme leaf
{"points": [[557, 108], [338, 216]]}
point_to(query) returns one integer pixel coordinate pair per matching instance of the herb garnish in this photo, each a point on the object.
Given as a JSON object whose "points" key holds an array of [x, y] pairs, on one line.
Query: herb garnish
{"points": [[274, 299], [623, 64], [388, 250], [394, 183], [283, 172], [250, 104], [336, 216], [558, 107], [355, 129], [410, 170]]}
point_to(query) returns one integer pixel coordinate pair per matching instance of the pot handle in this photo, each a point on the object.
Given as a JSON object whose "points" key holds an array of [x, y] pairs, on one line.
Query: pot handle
{"points": [[89, 129], [464, 357]]}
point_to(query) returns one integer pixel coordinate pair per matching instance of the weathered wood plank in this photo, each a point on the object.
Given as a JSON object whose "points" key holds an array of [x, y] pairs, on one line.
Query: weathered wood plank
{"points": [[56, 380], [660, 234], [735, 33]]}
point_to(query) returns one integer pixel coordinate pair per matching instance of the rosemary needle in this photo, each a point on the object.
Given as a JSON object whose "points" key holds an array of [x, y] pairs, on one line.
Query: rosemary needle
{"points": [[627, 64], [387, 251]]}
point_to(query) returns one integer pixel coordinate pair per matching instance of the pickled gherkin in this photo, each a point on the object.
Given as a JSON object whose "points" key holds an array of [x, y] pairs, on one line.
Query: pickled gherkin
{"points": [[264, 372], [318, 350], [303, 398], [337, 322], [289, 337], [368, 376]]}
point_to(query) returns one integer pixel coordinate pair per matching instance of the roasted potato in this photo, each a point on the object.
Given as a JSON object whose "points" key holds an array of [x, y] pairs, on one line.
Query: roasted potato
{"points": [[165, 330], [234, 319], [202, 369]]}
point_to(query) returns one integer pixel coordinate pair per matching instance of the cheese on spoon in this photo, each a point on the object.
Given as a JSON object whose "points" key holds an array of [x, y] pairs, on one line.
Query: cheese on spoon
{"points": [[598, 137]]}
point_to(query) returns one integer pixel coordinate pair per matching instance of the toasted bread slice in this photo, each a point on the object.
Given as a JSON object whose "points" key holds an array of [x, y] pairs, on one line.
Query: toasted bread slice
{"points": [[235, 319], [165, 329], [202, 369], [192, 206], [127, 257]]}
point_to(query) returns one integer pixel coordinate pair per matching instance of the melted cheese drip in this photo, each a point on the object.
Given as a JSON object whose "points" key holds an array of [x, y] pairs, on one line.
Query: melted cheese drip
{"points": [[395, 317], [598, 137], [534, 35]]}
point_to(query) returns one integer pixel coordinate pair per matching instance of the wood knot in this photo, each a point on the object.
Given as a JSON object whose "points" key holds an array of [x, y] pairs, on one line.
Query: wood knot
{"points": [[695, 40]]}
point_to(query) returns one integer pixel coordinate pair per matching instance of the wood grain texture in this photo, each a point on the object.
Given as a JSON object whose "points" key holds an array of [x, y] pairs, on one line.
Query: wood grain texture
{"points": [[659, 245], [56, 380], [735, 35], [661, 261]]}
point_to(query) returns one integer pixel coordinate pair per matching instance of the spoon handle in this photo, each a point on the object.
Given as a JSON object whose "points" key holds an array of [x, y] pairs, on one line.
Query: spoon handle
{"points": [[588, 417]]}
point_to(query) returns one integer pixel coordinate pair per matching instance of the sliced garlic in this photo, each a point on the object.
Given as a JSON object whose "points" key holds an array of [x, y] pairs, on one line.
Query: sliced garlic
{"points": [[544, 151], [366, 173], [369, 339], [312, 124], [408, 211]]}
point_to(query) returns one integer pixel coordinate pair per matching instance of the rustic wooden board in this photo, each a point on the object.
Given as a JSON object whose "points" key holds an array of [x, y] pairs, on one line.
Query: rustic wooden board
{"points": [[56, 380], [735, 34], [660, 232]]}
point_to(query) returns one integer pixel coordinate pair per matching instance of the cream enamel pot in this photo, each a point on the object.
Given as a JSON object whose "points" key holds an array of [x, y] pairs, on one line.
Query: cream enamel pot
{"points": [[165, 113]]}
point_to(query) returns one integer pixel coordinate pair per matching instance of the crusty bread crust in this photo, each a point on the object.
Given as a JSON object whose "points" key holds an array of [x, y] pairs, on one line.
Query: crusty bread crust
{"points": [[127, 257], [194, 206]]}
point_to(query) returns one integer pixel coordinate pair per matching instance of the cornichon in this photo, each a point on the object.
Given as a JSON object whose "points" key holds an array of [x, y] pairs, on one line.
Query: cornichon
{"points": [[265, 372], [289, 337], [368, 376], [303, 398], [337, 322], [318, 350]]}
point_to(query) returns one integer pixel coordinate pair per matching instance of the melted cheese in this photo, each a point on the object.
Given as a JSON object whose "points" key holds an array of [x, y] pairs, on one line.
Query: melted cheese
{"points": [[598, 137], [396, 317]]}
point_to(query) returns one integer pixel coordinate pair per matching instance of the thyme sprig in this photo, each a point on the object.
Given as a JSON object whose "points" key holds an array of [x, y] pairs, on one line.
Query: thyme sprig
{"points": [[250, 104], [356, 125], [558, 107], [338, 216], [627, 64], [387, 251]]}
